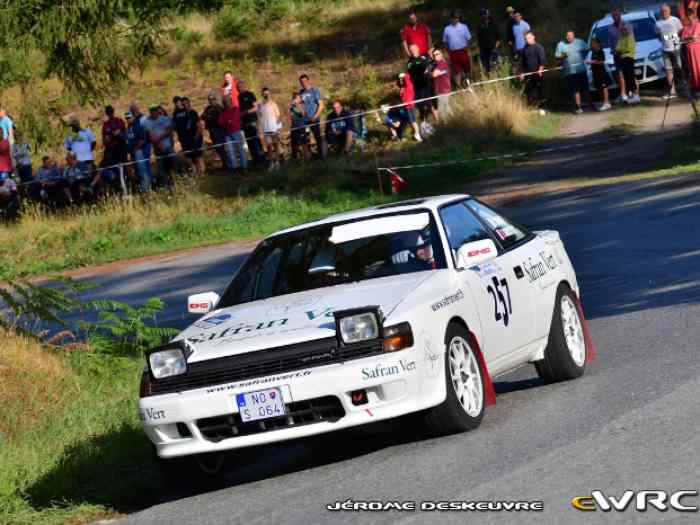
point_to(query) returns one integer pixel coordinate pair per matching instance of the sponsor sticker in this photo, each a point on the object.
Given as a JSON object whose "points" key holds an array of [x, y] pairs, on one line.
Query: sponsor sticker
{"points": [[213, 321], [381, 370], [151, 414], [447, 301]]}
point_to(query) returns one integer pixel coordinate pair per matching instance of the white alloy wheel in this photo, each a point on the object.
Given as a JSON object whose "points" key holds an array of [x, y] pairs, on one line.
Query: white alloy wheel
{"points": [[466, 376], [573, 330]]}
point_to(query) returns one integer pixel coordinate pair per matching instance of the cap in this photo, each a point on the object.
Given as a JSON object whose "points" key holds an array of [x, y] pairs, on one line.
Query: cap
{"points": [[510, 9], [128, 114], [485, 12], [154, 108]]}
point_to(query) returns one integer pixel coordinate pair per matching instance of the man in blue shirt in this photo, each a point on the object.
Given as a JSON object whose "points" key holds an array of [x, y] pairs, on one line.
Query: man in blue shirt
{"points": [[572, 54], [340, 128], [313, 108], [520, 28], [7, 126]]}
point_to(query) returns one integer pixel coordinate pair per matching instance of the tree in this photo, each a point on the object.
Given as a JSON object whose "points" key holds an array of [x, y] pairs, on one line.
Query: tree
{"points": [[90, 45]]}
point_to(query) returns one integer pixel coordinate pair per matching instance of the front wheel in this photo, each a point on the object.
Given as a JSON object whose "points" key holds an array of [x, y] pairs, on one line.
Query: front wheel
{"points": [[565, 355], [463, 407]]}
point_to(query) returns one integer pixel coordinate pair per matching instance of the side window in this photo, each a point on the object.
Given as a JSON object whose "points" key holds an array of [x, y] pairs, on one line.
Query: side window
{"points": [[506, 232], [461, 226]]}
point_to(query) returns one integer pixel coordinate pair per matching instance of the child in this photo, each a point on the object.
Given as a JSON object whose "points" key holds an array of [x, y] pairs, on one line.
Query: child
{"points": [[300, 135], [600, 74]]}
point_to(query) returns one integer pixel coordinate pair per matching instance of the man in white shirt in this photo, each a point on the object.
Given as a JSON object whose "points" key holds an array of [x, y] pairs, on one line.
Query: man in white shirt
{"points": [[456, 37], [82, 143], [668, 29]]}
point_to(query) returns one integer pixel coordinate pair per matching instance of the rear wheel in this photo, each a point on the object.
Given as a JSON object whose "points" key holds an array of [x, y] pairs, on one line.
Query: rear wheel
{"points": [[463, 407], [565, 355]]}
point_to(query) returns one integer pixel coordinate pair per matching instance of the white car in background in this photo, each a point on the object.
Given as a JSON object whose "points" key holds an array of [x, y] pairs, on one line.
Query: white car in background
{"points": [[649, 61], [361, 317]]}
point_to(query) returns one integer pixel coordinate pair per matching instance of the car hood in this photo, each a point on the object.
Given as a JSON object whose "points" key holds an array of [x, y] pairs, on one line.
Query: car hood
{"points": [[293, 318]]}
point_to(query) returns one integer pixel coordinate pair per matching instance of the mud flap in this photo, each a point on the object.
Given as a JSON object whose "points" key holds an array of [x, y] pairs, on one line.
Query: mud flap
{"points": [[591, 352], [489, 391]]}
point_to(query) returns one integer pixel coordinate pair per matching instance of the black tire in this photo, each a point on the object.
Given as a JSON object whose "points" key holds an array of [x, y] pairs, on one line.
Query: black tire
{"points": [[201, 471], [558, 363], [450, 417]]}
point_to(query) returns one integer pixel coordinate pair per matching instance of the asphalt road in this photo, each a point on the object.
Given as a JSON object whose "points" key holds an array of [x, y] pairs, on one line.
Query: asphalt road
{"points": [[629, 423]]}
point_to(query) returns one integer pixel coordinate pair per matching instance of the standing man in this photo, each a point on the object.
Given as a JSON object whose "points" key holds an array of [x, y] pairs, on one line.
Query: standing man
{"points": [[142, 154], [135, 141], [416, 33], [533, 61], [614, 34], [572, 53], [489, 40], [192, 137], [210, 116], [510, 37], [159, 128], [269, 116], [229, 89], [249, 120], [441, 83], [82, 142], [340, 128], [313, 108], [520, 29], [7, 125], [114, 142], [669, 29], [230, 124], [626, 51], [456, 37], [419, 70]]}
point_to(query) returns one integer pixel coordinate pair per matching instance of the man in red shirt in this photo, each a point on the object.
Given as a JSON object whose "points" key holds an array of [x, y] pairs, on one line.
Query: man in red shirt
{"points": [[230, 124], [416, 32], [114, 142], [441, 83]]}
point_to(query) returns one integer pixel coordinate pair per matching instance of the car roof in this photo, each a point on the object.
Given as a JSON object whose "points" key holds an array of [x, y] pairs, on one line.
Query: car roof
{"points": [[632, 15], [431, 203]]}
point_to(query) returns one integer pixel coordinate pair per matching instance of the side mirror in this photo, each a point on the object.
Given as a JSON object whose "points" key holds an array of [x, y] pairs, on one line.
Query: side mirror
{"points": [[473, 253], [202, 303]]}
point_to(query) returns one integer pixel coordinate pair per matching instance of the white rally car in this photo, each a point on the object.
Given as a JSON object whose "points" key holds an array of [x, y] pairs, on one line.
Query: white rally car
{"points": [[360, 317]]}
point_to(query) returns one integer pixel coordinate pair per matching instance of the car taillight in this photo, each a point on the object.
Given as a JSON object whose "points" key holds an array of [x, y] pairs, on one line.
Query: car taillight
{"points": [[397, 337]]}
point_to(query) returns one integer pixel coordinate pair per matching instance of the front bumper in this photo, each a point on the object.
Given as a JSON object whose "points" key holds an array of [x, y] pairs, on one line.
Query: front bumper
{"points": [[396, 384]]}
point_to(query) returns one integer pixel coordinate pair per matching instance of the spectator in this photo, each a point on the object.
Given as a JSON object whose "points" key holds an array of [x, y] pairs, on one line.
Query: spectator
{"points": [[9, 198], [441, 83], [489, 40], [136, 141], [360, 131], [229, 89], [180, 123], [614, 34], [230, 124], [192, 137], [22, 159], [82, 142], [601, 80], [520, 29], [533, 61], [249, 120], [416, 33], [418, 69], [5, 155], [210, 116], [456, 37], [510, 36], [313, 109], [114, 143], [269, 117], [300, 136], [669, 29], [691, 37], [572, 52], [626, 50], [7, 125], [340, 128], [79, 183], [159, 128], [54, 189], [396, 119], [141, 153], [407, 97]]}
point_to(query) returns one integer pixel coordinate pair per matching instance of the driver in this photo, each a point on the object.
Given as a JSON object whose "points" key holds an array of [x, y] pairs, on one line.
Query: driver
{"points": [[416, 251]]}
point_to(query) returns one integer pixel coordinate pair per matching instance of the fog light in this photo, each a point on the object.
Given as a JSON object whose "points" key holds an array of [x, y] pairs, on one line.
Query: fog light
{"points": [[359, 397]]}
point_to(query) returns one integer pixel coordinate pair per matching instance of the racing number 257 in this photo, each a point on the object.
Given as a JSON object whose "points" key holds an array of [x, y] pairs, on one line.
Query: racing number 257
{"points": [[499, 300]]}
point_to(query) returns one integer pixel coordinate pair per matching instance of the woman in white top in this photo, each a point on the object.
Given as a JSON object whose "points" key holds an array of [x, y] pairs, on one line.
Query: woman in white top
{"points": [[269, 118]]}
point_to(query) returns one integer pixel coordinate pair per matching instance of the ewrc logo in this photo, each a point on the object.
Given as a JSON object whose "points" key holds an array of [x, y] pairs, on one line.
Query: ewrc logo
{"points": [[643, 500]]}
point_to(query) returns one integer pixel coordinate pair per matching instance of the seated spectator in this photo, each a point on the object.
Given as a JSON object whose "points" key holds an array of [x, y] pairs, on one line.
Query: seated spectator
{"points": [[340, 128], [54, 189], [22, 159], [396, 119], [299, 132], [9, 198], [79, 182], [269, 117]]}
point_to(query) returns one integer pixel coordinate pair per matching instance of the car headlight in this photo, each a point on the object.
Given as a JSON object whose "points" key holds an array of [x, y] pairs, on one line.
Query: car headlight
{"points": [[656, 55], [358, 327], [167, 362]]}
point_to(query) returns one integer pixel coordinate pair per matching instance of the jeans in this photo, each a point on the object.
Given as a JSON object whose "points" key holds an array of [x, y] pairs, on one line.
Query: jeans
{"points": [[235, 141], [143, 168], [254, 146], [165, 162]]}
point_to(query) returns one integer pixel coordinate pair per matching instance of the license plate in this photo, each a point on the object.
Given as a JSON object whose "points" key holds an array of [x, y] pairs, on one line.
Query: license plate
{"points": [[263, 404]]}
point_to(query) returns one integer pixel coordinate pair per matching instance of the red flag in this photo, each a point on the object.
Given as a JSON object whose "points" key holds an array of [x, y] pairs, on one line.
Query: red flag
{"points": [[397, 182]]}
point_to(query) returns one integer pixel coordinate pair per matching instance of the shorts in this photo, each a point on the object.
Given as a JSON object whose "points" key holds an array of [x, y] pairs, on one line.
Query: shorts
{"points": [[576, 83], [299, 137], [601, 79], [411, 115], [193, 149], [272, 138], [460, 62], [672, 60]]}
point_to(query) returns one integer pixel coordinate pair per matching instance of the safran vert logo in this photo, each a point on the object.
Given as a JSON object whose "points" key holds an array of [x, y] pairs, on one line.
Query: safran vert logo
{"points": [[641, 501]]}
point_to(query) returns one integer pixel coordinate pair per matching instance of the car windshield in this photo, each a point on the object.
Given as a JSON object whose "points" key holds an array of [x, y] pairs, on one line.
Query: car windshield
{"points": [[643, 28], [334, 254]]}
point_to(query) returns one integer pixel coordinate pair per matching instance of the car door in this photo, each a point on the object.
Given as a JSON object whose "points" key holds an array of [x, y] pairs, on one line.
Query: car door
{"points": [[504, 302]]}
